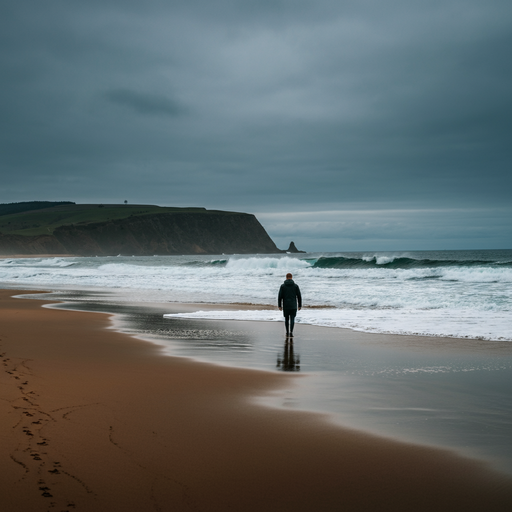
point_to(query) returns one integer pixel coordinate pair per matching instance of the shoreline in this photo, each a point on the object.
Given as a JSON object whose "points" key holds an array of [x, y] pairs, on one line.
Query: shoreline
{"points": [[240, 306], [99, 421]]}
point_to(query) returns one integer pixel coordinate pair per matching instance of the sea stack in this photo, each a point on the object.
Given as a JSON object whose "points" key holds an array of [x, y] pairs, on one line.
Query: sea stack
{"points": [[293, 249]]}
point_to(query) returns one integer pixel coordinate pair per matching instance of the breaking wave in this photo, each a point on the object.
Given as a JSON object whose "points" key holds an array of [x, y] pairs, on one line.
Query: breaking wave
{"points": [[37, 262], [392, 262]]}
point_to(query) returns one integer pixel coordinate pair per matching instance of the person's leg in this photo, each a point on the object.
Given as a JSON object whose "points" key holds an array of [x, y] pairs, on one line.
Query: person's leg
{"points": [[287, 322], [292, 314]]}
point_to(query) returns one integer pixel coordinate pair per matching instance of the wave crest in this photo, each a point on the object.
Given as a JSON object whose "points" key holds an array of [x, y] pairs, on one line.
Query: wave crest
{"points": [[37, 262], [285, 263], [400, 262]]}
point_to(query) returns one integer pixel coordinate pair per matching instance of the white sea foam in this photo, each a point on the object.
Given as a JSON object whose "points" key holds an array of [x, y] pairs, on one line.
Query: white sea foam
{"points": [[452, 323], [383, 260], [257, 264]]}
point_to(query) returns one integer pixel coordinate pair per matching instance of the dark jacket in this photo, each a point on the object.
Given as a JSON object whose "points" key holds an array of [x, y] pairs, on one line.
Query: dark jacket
{"points": [[289, 295]]}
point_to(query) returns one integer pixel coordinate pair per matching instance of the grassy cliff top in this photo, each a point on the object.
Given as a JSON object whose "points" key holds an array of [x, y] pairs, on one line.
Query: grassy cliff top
{"points": [[45, 221]]}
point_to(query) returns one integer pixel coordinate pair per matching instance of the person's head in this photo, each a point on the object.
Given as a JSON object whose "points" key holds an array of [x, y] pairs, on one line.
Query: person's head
{"points": [[288, 276]]}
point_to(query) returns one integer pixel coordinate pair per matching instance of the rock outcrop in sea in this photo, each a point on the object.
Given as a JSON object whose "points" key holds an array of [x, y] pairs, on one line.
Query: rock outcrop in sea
{"points": [[292, 249]]}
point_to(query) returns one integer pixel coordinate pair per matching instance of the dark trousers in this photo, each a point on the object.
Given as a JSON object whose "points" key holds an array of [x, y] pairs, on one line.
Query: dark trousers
{"points": [[289, 319]]}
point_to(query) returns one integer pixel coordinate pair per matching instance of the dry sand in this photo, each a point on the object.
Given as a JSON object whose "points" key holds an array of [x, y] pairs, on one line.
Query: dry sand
{"points": [[93, 420]]}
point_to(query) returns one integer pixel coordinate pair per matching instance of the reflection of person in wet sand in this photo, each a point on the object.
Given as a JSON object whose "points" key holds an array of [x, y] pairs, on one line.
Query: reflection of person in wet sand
{"points": [[289, 362], [287, 300]]}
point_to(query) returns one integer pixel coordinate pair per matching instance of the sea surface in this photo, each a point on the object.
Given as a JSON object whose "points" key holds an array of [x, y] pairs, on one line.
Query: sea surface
{"points": [[411, 345], [462, 294]]}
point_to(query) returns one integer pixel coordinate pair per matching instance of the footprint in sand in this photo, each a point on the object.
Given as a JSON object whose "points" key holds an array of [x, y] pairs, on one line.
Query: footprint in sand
{"points": [[46, 494], [44, 443], [54, 471]]}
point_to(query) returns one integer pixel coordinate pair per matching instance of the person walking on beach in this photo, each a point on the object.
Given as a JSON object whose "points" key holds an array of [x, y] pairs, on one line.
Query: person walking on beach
{"points": [[288, 299]]}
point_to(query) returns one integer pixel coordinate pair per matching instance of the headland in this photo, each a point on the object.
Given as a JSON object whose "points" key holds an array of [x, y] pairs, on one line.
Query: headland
{"points": [[66, 228]]}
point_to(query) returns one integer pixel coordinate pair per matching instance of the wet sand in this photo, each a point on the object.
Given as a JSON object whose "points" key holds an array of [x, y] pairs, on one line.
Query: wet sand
{"points": [[94, 420]]}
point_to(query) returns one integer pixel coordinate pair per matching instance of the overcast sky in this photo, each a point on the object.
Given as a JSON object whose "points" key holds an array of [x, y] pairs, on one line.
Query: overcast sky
{"points": [[342, 124]]}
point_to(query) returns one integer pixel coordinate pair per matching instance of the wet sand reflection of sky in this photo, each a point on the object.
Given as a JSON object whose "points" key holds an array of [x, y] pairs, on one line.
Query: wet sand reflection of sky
{"points": [[449, 393]]}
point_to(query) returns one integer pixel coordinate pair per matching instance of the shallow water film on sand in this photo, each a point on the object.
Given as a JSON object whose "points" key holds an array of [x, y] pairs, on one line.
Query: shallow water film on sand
{"points": [[463, 294]]}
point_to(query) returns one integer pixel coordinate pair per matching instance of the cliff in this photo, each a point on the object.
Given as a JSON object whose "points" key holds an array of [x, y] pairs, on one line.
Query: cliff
{"points": [[205, 232], [27, 245]]}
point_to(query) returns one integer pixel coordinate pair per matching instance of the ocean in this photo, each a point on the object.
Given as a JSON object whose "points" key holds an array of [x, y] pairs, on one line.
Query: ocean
{"points": [[461, 294], [407, 344]]}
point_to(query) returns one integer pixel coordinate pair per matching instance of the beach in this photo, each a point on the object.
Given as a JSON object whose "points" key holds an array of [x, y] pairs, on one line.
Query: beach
{"points": [[94, 419]]}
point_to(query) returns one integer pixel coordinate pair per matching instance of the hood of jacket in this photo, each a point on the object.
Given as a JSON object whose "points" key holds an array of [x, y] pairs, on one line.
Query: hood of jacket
{"points": [[289, 282]]}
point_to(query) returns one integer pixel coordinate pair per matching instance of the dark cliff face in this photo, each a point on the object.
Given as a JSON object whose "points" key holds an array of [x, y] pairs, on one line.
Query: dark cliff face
{"points": [[162, 234], [26, 245]]}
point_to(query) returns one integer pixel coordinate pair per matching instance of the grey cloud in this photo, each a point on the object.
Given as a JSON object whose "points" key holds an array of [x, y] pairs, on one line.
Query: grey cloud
{"points": [[144, 103], [260, 106]]}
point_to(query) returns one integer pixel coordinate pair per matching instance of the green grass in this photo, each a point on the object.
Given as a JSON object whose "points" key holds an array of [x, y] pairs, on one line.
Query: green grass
{"points": [[44, 222]]}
